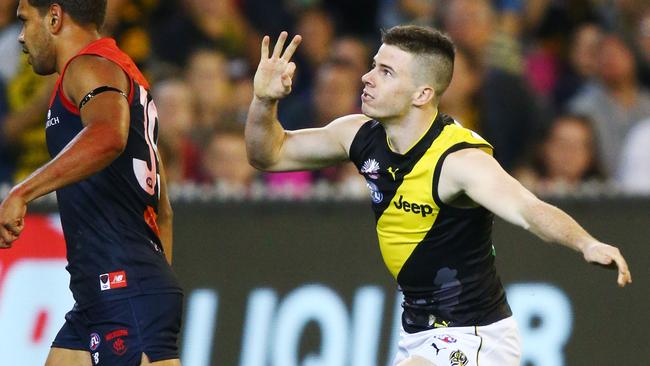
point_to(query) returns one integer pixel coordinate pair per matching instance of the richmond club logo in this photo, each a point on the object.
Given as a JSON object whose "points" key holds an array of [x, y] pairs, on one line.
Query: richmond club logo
{"points": [[371, 168]]}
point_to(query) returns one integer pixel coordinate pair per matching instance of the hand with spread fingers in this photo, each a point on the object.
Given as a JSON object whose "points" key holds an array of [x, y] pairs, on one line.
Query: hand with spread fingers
{"points": [[608, 256], [12, 219], [274, 74]]}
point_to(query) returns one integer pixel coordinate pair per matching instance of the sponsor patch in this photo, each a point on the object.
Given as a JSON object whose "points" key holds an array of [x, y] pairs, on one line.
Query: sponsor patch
{"points": [[445, 338], [457, 358], [108, 281]]}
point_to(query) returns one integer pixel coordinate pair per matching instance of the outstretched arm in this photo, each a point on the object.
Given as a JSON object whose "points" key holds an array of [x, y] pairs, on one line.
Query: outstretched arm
{"points": [[269, 146], [103, 138], [476, 174]]}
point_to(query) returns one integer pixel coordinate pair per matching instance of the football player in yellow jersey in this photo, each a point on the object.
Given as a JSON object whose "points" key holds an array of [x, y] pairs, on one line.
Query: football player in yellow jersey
{"points": [[434, 187]]}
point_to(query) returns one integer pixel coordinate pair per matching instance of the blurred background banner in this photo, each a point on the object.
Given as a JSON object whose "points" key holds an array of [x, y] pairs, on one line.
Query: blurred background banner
{"points": [[303, 284]]}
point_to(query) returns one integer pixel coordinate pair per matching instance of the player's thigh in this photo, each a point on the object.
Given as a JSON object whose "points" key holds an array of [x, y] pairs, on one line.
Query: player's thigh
{"points": [[416, 361], [67, 357], [145, 362]]}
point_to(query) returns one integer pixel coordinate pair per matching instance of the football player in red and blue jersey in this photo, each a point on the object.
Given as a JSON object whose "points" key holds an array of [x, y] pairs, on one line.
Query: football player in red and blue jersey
{"points": [[101, 131]]}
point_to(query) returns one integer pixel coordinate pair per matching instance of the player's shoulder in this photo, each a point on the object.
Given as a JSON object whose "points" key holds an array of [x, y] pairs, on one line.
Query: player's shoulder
{"points": [[345, 128], [87, 72], [351, 120], [84, 67]]}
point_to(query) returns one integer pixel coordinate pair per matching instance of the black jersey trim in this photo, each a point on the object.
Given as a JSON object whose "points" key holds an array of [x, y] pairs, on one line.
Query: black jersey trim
{"points": [[478, 352], [436, 175], [102, 89], [356, 147]]}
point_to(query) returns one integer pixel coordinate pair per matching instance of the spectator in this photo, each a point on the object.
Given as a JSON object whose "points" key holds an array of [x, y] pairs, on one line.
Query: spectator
{"points": [[28, 97], [200, 24], [352, 50], [395, 12], [225, 164], [181, 156], [460, 99], [208, 77], [615, 101], [565, 159], [634, 173], [509, 116], [582, 64], [9, 47]]}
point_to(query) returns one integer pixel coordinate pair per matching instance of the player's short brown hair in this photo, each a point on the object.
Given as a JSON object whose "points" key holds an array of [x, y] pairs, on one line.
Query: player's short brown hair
{"points": [[434, 49], [83, 12]]}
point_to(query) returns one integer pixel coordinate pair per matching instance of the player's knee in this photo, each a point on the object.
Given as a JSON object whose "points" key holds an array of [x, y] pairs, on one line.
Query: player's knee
{"points": [[416, 361]]}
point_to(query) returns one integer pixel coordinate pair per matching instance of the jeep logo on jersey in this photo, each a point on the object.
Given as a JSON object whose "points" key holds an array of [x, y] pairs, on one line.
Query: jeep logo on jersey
{"points": [[416, 208]]}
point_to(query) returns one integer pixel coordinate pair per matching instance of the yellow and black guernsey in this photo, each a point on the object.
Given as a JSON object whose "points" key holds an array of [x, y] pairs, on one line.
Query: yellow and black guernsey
{"points": [[441, 256]]}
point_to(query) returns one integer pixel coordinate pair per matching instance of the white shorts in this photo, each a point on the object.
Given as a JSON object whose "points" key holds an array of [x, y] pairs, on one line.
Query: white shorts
{"points": [[496, 344]]}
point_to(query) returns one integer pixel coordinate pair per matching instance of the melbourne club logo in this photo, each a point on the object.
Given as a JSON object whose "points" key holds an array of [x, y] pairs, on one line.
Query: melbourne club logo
{"points": [[371, 168], [118, 344]]}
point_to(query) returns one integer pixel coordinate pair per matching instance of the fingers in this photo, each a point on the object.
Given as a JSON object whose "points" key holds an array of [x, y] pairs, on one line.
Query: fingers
{"points": [[279, 45], [287, 76], [4, 245], [277, 50], [265, 48], [291, 48], [624, 275], [6, 236], [15, 229]]}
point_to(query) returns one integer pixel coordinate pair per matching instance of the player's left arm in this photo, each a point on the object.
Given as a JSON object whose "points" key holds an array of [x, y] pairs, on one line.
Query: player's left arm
{"points": [[103, 138], [478, 175], [165, 216]]}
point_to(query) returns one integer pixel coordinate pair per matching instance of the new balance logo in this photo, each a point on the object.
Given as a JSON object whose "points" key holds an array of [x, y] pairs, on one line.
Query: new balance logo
{"points": [[416, 208], [108, 281]]}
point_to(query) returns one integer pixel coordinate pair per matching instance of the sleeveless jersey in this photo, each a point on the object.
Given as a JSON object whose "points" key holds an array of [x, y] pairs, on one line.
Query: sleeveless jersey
{"points": [[109, 218], [441, 256]]}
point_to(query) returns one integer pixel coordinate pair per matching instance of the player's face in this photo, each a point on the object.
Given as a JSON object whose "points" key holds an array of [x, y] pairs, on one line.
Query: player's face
{"points": [[35, 39], [388, 87]]}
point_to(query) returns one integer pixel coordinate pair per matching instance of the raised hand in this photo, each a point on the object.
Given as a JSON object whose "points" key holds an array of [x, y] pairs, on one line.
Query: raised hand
{"points": [[274, 74], [610, 257]]}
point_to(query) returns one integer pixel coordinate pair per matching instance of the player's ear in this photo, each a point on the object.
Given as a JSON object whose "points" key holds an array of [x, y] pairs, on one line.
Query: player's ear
{"points": [[423, 95], [54, 18]]}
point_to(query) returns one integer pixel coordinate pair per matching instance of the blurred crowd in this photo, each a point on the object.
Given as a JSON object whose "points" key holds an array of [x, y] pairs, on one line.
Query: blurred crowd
{"points": [[560, 88]]}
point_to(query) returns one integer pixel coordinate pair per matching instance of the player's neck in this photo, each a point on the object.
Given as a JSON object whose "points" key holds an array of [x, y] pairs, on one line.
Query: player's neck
{"points": [[71, 42], [408, 130]]}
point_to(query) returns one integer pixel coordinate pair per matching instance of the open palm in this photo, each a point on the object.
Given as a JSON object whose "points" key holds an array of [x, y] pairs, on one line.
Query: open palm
{"points": [[274, 73]]}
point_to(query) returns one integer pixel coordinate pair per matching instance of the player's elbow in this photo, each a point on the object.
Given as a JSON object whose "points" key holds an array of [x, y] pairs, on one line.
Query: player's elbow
{"points": [[115, 146], [260, 161]]}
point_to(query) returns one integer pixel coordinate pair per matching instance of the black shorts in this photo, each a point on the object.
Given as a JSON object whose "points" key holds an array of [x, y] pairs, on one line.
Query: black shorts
{"points": [[118, 332]]}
